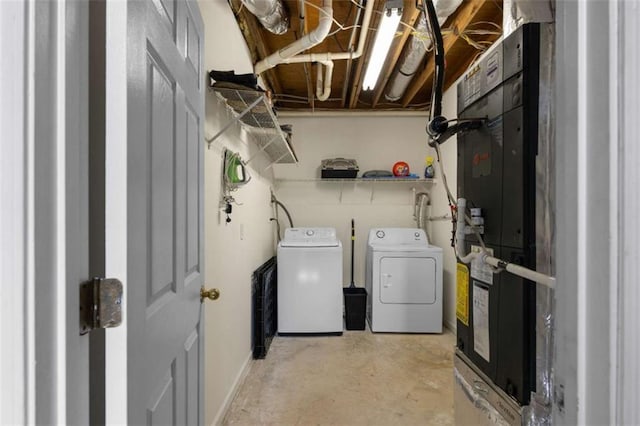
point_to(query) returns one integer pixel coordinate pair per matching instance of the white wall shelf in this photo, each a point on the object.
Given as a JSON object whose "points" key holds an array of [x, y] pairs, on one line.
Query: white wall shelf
{"points": [[252, 109], [342, 180], [415, 185]]}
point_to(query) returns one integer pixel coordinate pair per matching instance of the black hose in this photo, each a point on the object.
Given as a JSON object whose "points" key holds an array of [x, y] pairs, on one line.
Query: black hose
{"points": [[278, 203], [438, 76], [273, 219]]}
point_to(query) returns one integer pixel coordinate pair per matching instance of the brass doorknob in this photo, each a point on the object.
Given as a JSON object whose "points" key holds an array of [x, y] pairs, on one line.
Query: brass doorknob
{"points": [[212, 294]]}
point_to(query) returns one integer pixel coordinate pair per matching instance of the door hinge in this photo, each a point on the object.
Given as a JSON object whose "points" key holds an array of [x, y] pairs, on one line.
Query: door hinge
{"points": [[100, 304]]}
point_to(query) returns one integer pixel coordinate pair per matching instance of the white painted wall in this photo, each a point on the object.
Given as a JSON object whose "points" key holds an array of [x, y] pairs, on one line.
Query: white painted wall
{"points": [[232, 251], [441, 230]]}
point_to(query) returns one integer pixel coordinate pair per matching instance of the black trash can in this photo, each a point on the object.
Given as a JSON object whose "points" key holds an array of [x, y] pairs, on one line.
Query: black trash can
{"points": [[355, 306]]}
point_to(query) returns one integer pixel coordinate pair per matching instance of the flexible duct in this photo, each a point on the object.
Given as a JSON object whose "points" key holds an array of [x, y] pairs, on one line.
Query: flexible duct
{"points": [[314, 38], [271, 14], [417, 50], [422, 203]]}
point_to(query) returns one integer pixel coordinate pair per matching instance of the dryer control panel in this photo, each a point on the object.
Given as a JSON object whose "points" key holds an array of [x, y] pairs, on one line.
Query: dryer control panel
{"points": [[398, 236]]}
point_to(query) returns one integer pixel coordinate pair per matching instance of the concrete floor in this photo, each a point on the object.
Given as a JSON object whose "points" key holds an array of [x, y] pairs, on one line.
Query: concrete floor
{"points": [[357, 378]]}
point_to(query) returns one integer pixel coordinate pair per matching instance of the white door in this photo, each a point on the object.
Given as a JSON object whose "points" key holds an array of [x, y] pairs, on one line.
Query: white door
{"points": [[44, 212], [165, 114]]}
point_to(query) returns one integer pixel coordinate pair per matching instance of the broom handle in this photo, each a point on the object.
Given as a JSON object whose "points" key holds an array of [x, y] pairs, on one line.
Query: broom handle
{"points": [[353, 239]]}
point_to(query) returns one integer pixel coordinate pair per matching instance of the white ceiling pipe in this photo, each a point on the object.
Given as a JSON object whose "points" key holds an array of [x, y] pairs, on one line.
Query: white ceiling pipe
{"points": [[417, 50], [329, 57], [314, 38], [332, 56], [271, 14], [323, 85]]}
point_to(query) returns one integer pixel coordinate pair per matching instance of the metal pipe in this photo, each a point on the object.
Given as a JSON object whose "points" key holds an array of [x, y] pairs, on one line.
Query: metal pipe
{"points": [[271, 14]]}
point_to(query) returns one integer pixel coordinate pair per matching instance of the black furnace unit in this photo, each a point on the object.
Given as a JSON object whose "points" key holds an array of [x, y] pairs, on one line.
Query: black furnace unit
{"points": [[496, 172]]}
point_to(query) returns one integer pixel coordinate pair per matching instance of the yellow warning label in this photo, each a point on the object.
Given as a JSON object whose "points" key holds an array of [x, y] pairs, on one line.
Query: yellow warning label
{"points": [[462, 294]]}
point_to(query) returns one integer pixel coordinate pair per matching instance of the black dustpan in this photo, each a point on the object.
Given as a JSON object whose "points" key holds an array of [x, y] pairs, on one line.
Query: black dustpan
{"points": [[355, 298]]}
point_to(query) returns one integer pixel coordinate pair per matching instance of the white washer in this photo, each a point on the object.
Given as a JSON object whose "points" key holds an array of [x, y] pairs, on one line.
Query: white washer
{"points": [[404, 282], [310, 281]]}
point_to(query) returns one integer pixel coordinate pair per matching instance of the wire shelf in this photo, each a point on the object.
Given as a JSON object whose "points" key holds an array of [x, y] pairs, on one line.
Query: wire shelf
{"points": [[253, 110]]}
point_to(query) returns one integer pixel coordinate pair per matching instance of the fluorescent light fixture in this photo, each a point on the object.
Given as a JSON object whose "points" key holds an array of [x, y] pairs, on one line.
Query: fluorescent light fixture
{"points": [[384, 37]]}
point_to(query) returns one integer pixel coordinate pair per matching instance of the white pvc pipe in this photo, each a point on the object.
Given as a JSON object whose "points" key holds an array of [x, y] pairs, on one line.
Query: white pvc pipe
{"points": [[329, 56], [290, 54], [459, 244], [518, 270], [323, 85], [314, 38]]}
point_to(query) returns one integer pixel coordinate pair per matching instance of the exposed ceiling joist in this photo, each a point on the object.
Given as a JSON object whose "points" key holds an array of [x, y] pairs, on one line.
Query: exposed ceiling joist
{"points": [[472, 28], [463, 18]]}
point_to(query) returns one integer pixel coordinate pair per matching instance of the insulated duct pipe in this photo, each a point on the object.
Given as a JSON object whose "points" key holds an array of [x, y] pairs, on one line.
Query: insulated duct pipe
{"points": [[290, 54], [518, 270], [314, 38], [271, 14], [417, 50]]}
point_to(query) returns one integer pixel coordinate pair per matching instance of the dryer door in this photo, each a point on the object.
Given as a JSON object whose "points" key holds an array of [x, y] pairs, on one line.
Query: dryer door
{"points": [[410, 280]]}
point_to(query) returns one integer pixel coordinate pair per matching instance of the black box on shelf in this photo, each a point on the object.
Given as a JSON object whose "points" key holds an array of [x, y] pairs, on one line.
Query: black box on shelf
{"points": [[339, 168]]}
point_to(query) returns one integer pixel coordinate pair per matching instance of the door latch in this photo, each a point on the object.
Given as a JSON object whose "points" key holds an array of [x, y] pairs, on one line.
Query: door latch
{"points": [[100, 304]]}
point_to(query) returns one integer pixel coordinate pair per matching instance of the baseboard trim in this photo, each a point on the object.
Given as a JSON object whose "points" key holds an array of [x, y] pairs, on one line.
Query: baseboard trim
{"points": [[242, 374], [451, 325]]}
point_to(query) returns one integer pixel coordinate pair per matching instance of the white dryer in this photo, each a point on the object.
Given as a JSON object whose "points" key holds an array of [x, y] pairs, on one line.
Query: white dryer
{"points": [[404, 281], [310, 282]]}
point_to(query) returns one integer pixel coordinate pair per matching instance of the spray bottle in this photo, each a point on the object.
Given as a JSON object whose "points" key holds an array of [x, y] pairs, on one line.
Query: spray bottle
{"points": [[429, 171]]}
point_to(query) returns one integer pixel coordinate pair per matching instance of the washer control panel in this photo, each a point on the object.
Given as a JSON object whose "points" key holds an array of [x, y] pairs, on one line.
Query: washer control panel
{"points": [[310, 237]]}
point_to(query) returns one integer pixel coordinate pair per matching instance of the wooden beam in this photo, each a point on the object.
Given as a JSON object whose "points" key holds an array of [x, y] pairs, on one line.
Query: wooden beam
{"points": [[411, 15], [359, 75], [252, 32], [465, 16], [456, 72]]}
